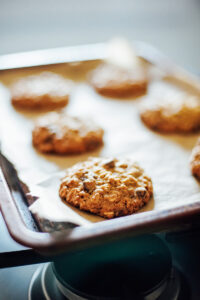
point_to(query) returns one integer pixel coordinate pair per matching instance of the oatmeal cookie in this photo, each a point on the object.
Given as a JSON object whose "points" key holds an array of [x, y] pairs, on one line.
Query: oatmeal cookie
{"points": [[63, 134], [106, 187], [37, 92], [195, 160], [179, 115], [112, 81]]}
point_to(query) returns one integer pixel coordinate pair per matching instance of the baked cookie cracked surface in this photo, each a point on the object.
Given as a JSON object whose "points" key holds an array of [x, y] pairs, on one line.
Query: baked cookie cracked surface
{"points": [[195, 160], [180, 114], [44, 91], [106, 187], [112, 81], [60, 133]]}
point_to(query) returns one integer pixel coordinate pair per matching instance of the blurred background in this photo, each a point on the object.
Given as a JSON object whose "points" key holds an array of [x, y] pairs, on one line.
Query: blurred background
{"points": [[172, 26]]}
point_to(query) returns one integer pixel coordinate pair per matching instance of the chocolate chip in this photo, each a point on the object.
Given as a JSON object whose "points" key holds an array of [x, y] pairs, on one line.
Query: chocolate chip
{"points": [[140, 192], [109, 164], [89, 186]]}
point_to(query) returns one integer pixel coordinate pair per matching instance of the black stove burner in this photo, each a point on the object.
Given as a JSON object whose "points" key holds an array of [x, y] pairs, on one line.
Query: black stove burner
{"points": [[138, 268]]}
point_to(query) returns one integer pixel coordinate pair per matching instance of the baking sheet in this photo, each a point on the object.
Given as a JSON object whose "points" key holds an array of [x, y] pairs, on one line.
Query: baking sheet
{"points": [[165, 158]]}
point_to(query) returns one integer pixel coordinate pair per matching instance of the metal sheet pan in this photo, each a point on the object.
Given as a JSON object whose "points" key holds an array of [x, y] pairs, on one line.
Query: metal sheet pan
{"points": [[159, 215]]}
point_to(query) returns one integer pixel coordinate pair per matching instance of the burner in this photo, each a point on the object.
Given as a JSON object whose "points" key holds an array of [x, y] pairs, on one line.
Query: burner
{"points": [[138, 268]]}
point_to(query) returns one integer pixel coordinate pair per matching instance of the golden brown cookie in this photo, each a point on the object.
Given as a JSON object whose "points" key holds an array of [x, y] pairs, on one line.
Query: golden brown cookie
{"points": [[195, 160], [179, 115], [64, 134], [45, 91], [106, 187], [112, 81]]}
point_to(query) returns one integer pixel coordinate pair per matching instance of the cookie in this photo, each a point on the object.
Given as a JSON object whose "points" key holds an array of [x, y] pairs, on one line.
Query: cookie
{"points": [[112, 81], [195, 160], [38, 92], [106, 187], [180, 114], [64, 134]]}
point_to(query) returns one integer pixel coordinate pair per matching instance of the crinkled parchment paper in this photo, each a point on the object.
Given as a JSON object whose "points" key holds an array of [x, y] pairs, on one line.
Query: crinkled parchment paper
{"points": [[165, 158]]}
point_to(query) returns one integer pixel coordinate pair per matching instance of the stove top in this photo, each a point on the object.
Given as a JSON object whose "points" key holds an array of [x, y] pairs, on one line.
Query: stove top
{"points": [[137, 268], [166, 266]]}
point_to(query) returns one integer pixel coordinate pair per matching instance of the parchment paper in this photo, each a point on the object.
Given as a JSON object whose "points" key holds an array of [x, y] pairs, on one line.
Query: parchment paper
{"points": [[165, 158]]}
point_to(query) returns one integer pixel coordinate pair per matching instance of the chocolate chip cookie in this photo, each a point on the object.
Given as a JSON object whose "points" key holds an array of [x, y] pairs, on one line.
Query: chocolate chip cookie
{"points": [[112, 81], [179, 115], [46, 91], [195, 160], [106, 187], [60, 133]]}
